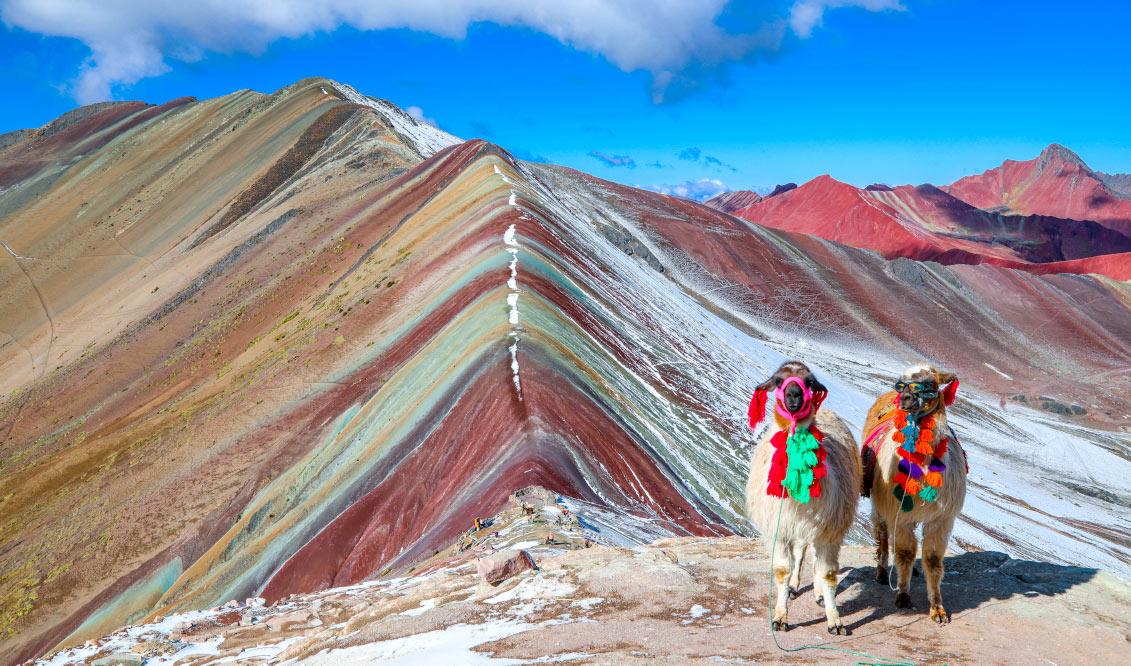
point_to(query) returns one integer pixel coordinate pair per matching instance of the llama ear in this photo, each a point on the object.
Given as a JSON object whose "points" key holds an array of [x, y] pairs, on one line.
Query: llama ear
{"points": [[815, 385]]}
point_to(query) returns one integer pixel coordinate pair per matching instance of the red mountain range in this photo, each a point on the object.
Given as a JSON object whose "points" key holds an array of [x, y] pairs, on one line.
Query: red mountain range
{"points": [[1060, 217]]}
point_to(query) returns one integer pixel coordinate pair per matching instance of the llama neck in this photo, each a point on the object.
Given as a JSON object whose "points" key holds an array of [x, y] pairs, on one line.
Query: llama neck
{"points": [[786, 425]]}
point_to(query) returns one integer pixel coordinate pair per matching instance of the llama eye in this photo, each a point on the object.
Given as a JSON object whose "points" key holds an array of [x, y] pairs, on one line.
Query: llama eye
{"points": [[777, 381]]}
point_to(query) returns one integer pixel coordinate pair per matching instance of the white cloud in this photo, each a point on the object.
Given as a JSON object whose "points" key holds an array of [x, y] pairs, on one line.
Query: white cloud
{"points": [[697, 190], [418, 113], [131, 40], [808, 14]]}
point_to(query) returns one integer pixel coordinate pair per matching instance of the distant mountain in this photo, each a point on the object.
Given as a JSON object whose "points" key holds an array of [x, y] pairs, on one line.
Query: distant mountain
{"points": [[1056, 183], [734, 200], [925, 222]]}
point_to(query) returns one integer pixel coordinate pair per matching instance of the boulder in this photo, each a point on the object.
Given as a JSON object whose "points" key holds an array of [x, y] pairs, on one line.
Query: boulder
{"points": [[497, 567], [285, 621]]}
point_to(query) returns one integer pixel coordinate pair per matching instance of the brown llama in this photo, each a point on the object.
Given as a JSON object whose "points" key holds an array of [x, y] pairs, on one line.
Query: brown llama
{"points": [[915, 472]]}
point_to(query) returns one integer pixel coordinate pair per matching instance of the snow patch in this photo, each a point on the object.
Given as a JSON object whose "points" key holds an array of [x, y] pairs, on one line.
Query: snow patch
{"points": [[426, 139], [997, 371], [514, 368], [424, 607], [451, 645], [534, 588]]}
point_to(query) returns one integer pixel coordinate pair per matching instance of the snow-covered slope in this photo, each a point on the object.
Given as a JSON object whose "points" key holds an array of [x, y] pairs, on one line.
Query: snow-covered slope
{"points": [[426, 138]]}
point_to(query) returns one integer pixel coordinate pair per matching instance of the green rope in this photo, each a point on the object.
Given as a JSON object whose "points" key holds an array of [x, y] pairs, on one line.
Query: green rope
{"points": [[875, 661]]}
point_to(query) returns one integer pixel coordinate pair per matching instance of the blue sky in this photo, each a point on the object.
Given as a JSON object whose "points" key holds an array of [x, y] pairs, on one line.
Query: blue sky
{"points": [[918, 91]]}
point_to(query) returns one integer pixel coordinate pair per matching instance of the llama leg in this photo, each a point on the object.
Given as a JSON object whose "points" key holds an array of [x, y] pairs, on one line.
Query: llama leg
{"points": [[828, 563], [935, 537], [782, 566], [905, 547], [795, 570], [883, 548]]}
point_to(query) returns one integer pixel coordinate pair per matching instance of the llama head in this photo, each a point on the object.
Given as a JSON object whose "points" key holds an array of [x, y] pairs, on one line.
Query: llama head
{"points": [[798, 394], [924, 390]]}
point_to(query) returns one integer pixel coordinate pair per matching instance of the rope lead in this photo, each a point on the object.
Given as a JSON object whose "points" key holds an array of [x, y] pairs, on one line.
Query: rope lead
{"points": [[875, 661]]}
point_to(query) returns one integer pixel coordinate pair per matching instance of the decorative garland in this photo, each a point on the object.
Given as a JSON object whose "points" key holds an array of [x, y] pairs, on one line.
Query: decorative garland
{"points": [[917, 446], [798, 464]]}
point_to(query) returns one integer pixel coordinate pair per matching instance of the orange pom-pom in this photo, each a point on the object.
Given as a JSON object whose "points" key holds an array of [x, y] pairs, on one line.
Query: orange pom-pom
{"points": [[912, 487], [923, 445], [933, 479], [898, 437]]}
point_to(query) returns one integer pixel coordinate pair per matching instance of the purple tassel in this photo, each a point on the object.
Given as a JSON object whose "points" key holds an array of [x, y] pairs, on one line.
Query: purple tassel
{"points": [[903, 466], [916, 472]]}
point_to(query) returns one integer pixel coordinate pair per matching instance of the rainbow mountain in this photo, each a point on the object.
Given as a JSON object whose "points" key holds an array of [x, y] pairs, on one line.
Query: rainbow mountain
{"points": [[261, 345]]}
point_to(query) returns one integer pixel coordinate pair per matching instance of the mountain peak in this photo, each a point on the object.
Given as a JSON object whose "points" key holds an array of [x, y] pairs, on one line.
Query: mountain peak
{"points": [[1056, 153]]}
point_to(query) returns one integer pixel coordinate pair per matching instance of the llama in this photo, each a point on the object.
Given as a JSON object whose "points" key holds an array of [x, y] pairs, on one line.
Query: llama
{"points": [[915, 473], [804, 476]]}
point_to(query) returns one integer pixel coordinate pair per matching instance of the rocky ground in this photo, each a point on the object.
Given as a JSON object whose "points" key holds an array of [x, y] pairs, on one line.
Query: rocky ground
{"points": [[675, 600]]}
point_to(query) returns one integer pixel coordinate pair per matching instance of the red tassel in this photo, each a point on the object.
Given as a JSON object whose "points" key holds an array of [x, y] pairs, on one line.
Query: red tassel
{"points": [[949, 392], [815, 490], [940, 448], [775, 489], [757, 407], [819, 472], [777, 473], [900, 478], [818, 398]]}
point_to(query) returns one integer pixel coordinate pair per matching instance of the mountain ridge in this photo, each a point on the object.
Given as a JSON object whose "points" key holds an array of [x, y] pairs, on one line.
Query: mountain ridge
{"points": [[929, 222]]}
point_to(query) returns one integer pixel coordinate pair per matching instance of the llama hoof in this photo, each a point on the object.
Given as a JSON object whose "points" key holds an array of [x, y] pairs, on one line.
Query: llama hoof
{"points": [[779, 625], [820, 600], [882, 575], [838, 630], [903, 600], [793, 593], [939, 614]]}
